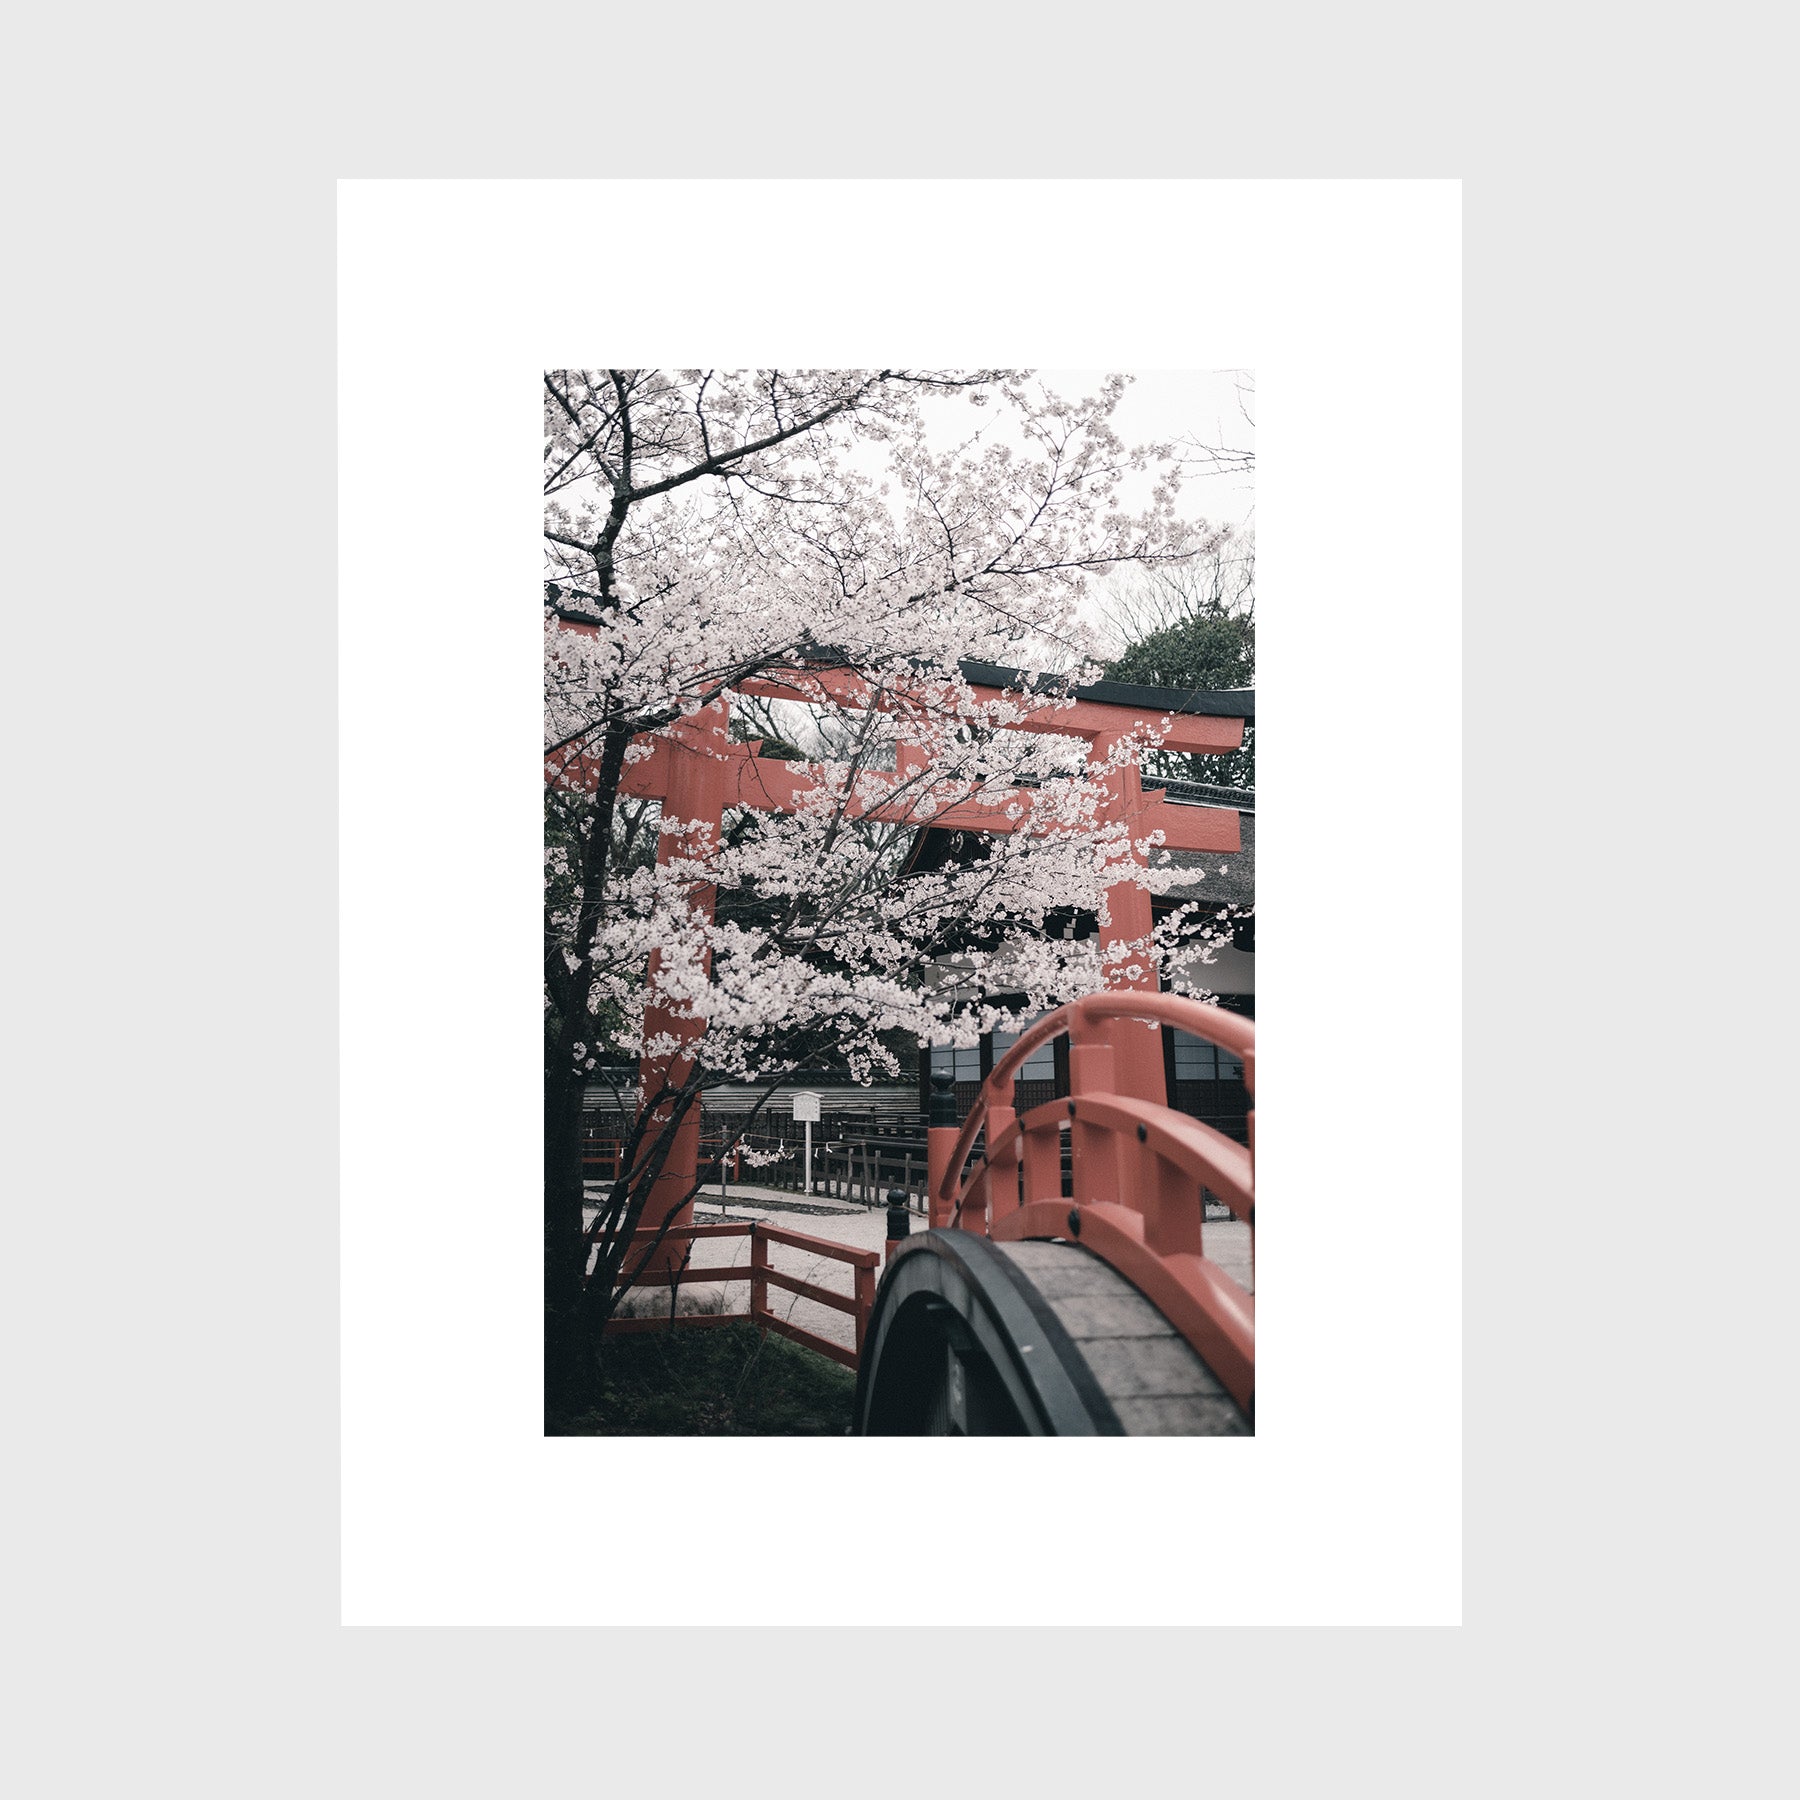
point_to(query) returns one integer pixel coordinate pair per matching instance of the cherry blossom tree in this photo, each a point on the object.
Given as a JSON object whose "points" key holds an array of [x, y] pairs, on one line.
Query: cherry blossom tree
{"points": [[720, 541], [1194, 627]]}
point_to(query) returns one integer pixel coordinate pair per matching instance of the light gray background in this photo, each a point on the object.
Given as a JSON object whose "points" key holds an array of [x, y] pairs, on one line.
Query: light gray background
{"points": [[169, 692]]}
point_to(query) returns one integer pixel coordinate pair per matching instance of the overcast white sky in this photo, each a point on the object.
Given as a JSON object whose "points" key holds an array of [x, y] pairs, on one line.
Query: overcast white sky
{"points": [[1207, 406], [1173, 403], [1214, 406]]}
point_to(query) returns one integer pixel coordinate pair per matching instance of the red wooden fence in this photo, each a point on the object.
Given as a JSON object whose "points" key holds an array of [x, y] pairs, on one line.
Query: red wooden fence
{"points": [[762, 1276]]}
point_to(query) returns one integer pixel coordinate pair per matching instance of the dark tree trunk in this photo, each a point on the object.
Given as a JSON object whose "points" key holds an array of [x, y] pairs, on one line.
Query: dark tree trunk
{"points": [[569, 1371], [569, 1367]]}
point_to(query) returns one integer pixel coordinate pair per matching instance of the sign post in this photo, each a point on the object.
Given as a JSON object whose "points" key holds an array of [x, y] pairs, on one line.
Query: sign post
{"points": [[806, 1112]]}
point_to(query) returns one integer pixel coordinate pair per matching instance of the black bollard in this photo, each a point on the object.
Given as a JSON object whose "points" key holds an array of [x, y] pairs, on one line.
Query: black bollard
{"points": [[899, 1224]]}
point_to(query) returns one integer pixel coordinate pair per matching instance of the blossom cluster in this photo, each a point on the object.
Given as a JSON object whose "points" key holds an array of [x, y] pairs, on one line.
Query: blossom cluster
{"points": [[724, 544]]}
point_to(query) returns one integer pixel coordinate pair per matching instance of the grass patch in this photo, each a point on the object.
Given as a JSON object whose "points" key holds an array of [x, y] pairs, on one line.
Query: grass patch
{"points": [[722, 1381]]}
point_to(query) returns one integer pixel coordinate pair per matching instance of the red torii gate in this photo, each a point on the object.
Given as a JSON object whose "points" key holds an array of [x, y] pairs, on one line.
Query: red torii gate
{"points": [[699, 774]]}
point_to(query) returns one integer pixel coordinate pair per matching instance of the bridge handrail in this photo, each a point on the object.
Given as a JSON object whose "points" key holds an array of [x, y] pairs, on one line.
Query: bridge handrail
{"points": [[1139, 1172], [1229, 1031]]}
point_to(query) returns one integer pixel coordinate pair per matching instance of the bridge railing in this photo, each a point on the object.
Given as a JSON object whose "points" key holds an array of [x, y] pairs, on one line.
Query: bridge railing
{"points": [[1137, 1171]]}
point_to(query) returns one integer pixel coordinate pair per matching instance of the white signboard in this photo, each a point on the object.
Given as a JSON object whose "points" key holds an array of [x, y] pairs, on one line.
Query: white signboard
{"points": [[806, 1109]]}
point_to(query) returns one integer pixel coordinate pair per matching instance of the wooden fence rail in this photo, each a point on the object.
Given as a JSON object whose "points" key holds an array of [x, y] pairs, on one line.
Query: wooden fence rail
{"points": [[853, 1158], [761, 1276]]}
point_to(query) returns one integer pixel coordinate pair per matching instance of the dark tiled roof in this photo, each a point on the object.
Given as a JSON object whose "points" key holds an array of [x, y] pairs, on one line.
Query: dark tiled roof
{"points": [[1225, 703], [1204, 793], [1236, 886], [888, 1098]]}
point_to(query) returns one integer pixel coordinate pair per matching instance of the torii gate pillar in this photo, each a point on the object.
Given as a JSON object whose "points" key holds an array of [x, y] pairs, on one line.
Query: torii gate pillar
{"points": [[1137, 1048], [697, 785]]}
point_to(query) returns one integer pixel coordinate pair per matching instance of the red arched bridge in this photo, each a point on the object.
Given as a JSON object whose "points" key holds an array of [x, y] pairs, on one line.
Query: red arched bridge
{"points": [[1064, 1286]]}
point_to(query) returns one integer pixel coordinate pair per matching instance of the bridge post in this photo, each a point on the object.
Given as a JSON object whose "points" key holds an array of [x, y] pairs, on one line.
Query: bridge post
{"points": [[1093, 1150], [1000, 1190], [940, 1145]]}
